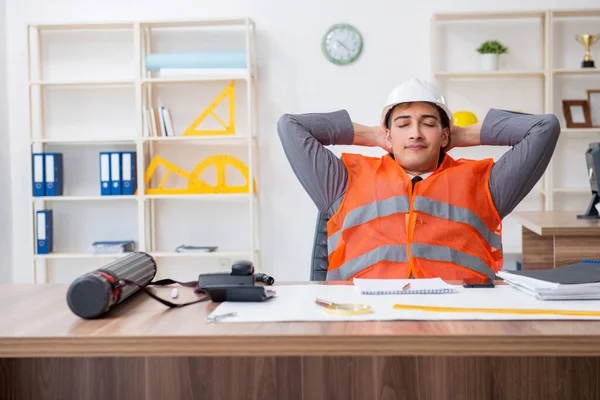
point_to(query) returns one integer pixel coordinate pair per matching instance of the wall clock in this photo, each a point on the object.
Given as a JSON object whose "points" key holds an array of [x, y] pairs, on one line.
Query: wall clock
{"points": [[342, 44]]}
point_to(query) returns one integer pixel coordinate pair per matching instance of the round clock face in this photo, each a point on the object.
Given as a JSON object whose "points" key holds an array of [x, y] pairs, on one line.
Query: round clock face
{"points": [[342, 44]]}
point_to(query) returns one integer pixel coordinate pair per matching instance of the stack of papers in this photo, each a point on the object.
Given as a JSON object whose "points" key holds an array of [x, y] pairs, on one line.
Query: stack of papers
{"points": [[402, 286], [579, 281]]}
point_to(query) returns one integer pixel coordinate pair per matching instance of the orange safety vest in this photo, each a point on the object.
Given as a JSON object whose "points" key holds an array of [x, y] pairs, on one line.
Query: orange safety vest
{"points": [[447, 226]]}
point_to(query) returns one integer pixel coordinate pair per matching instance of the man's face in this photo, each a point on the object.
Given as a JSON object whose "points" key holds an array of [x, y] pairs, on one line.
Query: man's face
{"points": [[416, 136]]}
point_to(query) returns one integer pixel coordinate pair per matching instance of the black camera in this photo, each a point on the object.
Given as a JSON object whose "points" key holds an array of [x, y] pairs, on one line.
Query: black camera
{"points": [[237, 285], [242, 274]]}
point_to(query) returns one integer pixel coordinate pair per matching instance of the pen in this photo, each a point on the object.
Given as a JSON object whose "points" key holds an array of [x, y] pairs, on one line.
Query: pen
{"points": [[406, 286], [219, 317]]}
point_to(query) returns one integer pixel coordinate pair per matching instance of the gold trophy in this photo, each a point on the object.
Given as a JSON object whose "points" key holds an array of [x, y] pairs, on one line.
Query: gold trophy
{"points": [[587, 41]]}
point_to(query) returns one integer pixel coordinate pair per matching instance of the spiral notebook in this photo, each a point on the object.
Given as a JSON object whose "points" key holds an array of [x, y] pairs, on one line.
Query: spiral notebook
{"points": [[395, 286]]}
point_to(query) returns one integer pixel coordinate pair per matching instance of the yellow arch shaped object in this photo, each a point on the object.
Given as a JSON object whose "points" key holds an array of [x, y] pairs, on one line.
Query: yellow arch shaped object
{"points": [[194, 184], [228, 128], [220, 161], [464, 118]]}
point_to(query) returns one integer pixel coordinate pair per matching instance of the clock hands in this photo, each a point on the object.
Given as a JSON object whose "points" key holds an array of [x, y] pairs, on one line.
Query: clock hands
{"points": [[343, 45]]}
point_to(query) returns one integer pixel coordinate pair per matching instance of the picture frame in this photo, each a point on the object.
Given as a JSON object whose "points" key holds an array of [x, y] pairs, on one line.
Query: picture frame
{"points": [[577, 113], [593, 97]]}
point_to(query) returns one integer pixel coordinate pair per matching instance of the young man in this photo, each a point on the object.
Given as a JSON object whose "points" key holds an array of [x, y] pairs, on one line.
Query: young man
{"points": [[416, 212]]}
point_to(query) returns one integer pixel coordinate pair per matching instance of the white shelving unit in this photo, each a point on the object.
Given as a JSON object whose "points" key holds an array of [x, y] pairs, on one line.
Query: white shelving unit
{"points": [[541, 69], [88, 88]]}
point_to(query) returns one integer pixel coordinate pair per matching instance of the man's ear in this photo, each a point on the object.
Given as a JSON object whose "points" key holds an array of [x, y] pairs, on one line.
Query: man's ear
{"points": [[445, 137], [388, 139]]}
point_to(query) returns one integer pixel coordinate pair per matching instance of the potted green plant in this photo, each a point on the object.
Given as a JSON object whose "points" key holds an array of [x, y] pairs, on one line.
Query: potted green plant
{"points": [[490, 51]]}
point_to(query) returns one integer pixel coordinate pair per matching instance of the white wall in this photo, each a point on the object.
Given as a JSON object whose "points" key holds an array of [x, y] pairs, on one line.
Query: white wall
{"points": [[294, 78], [6, 242]]}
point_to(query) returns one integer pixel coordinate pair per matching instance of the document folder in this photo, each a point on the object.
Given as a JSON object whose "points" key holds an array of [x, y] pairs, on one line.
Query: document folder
{"points": [[115, 173], [105, 174], [128, 172], [39, 183], [44, 224], [54, 174]]}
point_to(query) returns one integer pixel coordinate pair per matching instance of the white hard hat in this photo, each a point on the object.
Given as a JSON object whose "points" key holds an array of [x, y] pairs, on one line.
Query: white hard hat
{"points": [[415, 90]]}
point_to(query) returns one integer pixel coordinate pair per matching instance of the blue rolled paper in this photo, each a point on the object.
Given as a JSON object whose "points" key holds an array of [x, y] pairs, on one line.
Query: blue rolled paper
{"points": [[206, 59]]}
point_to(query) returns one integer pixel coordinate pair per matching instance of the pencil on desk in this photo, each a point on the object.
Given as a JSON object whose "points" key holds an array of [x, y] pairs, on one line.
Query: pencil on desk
{"points": [[406, 286]]}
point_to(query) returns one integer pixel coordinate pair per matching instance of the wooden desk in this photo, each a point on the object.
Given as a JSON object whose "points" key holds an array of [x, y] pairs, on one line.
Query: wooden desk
{"points": [[144, 351], [555, 238]]}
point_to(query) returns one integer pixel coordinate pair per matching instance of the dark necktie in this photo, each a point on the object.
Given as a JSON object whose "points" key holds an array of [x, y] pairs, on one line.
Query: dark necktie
{"points": [[415, 180]]}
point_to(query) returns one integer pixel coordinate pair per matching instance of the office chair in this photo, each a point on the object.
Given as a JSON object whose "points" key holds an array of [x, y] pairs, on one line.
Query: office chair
{"points": [[319, 261]]}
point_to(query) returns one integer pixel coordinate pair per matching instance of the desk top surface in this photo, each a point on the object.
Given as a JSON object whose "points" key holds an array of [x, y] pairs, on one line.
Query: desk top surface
{"points": [[35, 321], [558, 223]]}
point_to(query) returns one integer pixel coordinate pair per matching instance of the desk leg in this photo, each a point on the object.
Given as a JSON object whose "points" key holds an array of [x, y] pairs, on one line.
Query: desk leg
{"points": [[538, 251], [301, 378]]}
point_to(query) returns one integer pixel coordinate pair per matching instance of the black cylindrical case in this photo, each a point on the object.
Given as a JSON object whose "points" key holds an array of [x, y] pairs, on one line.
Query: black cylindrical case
{"points": [[93, 294]]}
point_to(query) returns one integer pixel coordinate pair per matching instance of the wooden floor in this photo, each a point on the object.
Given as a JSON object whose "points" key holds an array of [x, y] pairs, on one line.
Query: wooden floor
{"points": [[291, 378]]}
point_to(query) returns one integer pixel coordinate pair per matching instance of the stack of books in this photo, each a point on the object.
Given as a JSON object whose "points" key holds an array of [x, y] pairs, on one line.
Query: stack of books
{"points": [[579, 281]]}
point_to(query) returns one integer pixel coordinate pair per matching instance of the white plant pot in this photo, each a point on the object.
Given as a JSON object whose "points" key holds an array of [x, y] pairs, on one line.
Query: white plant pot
{"points": [[489, 62]]}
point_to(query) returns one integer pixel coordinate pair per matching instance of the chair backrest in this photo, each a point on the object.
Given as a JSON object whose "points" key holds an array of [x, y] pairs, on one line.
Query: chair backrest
{"points": [[319, 261]]}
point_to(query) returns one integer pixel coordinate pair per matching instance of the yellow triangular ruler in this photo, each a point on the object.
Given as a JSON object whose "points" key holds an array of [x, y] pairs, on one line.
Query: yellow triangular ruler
{"points": [[194, 184], [171, 168], [228, 128]]}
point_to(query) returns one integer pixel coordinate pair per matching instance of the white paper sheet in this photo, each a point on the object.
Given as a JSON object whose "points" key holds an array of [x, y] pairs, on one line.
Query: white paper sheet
{"points": [[297, 303]]}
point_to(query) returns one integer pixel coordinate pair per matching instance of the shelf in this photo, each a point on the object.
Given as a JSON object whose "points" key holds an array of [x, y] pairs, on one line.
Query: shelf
{"points": [[76, 141], [197, 23], [583, 132], [572, 190], [576, 71], [239, 254], [199, 197], [60, 256], [85, 198], [86, 26], [490, 74], [123, 72], [115, 82], [488, 15], [232, 140], [546, 73], [143, 24], [585, 13], [242, 74]]}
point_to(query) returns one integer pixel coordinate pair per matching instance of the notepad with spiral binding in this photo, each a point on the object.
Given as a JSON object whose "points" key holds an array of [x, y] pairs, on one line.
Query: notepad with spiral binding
{"points": [[395, 286]]}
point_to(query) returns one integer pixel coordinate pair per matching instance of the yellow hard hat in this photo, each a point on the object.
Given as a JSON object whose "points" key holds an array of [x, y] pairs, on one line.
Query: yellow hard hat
{"points": [[464, 118]]}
